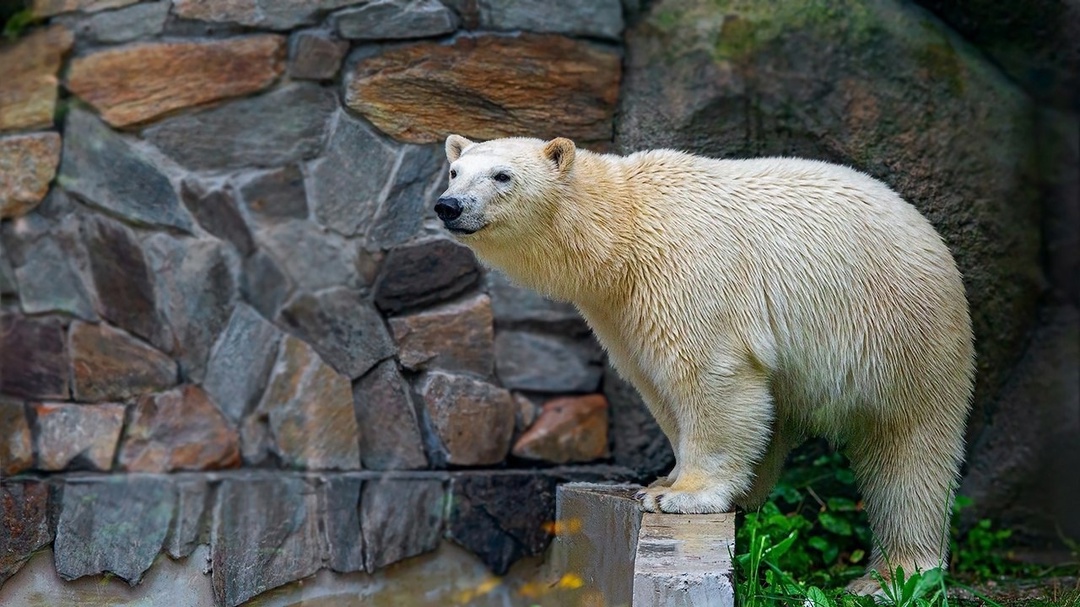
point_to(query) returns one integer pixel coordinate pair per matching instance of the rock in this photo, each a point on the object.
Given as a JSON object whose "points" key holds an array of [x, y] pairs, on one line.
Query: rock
{"points": [[279, 127], [265, 534], [400, 519], [195, 290], [517, 307], [218, 213], [547, 363], [77, 436], [7, 274], [188, 526], [139, 21], [455, 337], [34, 357], [267, 14], [276, 194], [315, 55], [112, 524], [178, 430], [724, 79], [548, 86], [49, 280], [110, 365], [47, 8], [27, 165], [637, 442], [346, 331], [263, 284], [589, 19], [501, 516], [390, 435], [526, 412], [471, 421], [137, 83], [424, 273], [311, 258], [341, 511], [16, 447], [241, 361], [310, 411], [347, 183], [106, 171], [28, 70], [395, 20], [420, 177], [569, 430], [24, 523]]}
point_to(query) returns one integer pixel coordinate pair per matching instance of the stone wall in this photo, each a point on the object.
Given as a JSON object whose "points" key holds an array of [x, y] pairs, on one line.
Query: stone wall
{"points": [[229, 323]]}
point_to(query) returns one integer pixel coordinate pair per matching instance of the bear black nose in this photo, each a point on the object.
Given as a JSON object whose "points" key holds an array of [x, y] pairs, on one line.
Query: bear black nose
{"points": [[448, 209]]}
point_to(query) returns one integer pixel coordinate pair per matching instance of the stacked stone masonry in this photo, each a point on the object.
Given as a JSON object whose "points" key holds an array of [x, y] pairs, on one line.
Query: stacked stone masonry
{"points": [[229, 317]]}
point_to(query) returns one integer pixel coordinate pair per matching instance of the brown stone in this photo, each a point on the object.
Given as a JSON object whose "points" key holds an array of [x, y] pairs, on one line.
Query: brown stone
{"points": [[571, 429], [24, 523], [28, 72], [77, 436], [141, 82], [47, 8], [109, 364], [33, 357], [454, 337], [310, 411], [179, 430], [492, 86], [16, 450], [27, 165], [472, 420]]}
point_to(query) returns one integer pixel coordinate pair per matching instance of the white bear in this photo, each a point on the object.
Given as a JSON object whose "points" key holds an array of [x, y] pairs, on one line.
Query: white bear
{"points": [[752, 303]]}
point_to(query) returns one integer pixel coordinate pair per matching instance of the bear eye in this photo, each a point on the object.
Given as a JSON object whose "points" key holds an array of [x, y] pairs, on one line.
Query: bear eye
{"points": [[501, 177], [453, 174]]}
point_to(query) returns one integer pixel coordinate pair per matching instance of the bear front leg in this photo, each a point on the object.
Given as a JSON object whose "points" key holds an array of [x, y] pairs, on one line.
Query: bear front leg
{"points": [[723, 429]]}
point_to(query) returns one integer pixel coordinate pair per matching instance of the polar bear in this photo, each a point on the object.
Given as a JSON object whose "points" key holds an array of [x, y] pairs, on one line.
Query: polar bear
{"points": [[752, 303]]}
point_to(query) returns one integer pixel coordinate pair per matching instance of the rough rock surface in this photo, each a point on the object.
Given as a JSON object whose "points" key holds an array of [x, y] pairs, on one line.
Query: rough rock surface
{"points": [[400, 519], [46, 8], [51, 277], [40, 371], [218, 212], [270, 14], [315, 55], [547, 363], [276, 194], [410, 199], [24, 523], [549, 86], [518, 307], [28, 70], [311, 258], [598, 19], [424, 273], [109, 365], [471, 420], [456, 337], [395, 20], [137, 83], [178, 430], [187, 528], [16, 447], [390, 434], [570, 429], [27, 165], [77, 436], [241, 361], [344, 548], [131, 23]]}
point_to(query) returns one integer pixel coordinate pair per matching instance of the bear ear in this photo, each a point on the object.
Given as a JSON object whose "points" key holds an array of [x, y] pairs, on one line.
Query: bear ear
{"points": [[455, 144], [560, 151]]}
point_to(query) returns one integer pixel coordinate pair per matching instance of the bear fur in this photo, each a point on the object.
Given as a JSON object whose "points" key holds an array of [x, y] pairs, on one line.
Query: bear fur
{"points": [[752, 303]]}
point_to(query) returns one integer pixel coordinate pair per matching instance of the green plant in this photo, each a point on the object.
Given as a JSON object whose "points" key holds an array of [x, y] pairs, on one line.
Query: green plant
{"points": [[15, 22]]}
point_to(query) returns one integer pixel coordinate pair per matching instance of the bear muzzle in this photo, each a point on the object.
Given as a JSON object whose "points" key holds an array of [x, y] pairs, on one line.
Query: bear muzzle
{"points": [[448, 209]]}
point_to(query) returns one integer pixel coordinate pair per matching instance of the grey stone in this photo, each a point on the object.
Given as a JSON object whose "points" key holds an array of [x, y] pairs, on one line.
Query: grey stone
{"points": [[311, 258], [241, 361], [264, 285], [131, 23], [519, 307], [217, 212], [637, 442], [266, 533], [455, 337], [265, 14], [24, 523], [75, 436], [109, 365], [599, 19], [346, 331], [547, 363], [501, 516], [34, 357], [112, 524], [315, 55], [470, 421], [276, 194], [7, 274], [279, 127], [16, 442], [196, 289], [341, 512], [105, 170], [424, 273], [188, 527], [395, 19], [122, 279], [390, 434], [421, 174], [347, 183], [49, 283], [400, 519]]}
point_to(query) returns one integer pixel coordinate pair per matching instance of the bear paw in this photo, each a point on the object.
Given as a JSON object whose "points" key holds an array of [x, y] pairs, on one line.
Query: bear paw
{"points": [[663, 481], [672, 500]]}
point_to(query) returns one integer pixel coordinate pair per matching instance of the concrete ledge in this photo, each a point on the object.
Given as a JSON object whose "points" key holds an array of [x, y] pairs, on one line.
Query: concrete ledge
{"points": [[615, 552]]}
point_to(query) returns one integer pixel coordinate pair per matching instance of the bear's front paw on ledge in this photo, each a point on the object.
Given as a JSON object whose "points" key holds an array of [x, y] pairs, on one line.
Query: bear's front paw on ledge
{"points": [[676, 500]]}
